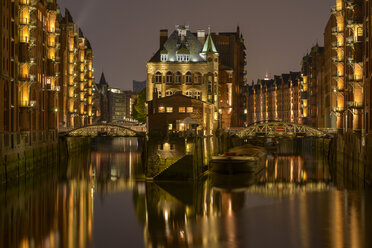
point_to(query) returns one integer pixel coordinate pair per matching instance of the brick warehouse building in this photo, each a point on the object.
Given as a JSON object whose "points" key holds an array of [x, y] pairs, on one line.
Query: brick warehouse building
{"points": [[46, 74], [232, 77], [275, 99]]}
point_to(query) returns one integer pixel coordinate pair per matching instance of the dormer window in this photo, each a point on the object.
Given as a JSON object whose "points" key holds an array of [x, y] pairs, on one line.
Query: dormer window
{"points": [[164, 57], [183, 58]]}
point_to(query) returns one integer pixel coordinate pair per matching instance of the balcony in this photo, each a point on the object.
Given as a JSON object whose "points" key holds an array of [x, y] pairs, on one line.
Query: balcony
{"points": [[24, 21], [354, 105], [337, 60], [337, 76], [24, 3], [338, 109], [51, 44]]}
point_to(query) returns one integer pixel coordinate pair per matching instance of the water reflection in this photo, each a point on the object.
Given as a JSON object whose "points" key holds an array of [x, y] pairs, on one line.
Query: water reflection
{"points": [[100, 199], [292, 204], [50, 210], [116, 163]]}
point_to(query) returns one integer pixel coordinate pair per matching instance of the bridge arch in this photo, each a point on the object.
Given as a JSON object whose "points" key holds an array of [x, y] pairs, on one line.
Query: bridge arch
{"points": [[275, 129], [112, 130]]}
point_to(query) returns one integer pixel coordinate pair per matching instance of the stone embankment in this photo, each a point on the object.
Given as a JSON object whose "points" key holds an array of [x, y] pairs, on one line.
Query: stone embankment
{"points": [[26, 158], [351, 153]]}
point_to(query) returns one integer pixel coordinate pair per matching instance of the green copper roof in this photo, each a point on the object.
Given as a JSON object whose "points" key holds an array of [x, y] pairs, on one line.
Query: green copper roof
{"points": [[209, 46]]}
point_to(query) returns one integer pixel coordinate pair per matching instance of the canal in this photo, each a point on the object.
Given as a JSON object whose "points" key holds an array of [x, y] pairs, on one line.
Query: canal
{"points": [[99, 199]]}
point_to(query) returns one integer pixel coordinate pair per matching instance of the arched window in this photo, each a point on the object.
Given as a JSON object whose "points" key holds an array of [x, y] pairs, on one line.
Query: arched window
{"points": [[169, 93], [158, 77], [197, 78], [169, 78], [193, 94], [188, 78], [178, 78]]}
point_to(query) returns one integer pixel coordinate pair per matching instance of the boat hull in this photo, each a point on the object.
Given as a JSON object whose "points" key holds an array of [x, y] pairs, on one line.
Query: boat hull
{"points": [[234, 166]]}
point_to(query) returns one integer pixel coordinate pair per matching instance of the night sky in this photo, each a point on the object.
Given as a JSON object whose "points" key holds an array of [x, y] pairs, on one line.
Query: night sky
{"points": [[125, 33]]}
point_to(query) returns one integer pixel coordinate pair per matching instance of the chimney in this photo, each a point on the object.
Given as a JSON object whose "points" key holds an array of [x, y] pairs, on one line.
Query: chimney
{"points": [[201, 36], [163, 37]]}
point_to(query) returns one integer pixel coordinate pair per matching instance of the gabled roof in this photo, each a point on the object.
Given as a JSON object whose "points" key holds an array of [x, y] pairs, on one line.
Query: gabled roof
{"points": [[186, 43]]}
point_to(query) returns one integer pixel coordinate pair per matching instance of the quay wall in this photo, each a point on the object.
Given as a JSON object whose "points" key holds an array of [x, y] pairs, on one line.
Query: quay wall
{"points": [[22, 154], [351, 153]]}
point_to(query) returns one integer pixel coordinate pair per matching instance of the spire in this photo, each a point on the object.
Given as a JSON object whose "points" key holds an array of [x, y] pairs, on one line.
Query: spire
{"points": [[103, 79], [209, 46]]}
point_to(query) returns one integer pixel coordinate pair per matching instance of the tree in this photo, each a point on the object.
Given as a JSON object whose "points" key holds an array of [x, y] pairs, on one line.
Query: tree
{"points": [[139, 107]]}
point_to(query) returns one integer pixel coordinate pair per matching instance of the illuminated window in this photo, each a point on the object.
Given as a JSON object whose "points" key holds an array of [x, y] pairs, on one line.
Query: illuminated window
{"points": [[190, 109], [169, 78], [169, 93], [158, 77], [161, 110], [188, 78], [170, 126], [183, 58], [182, 109], [178, 78], [194, 94], [164, 57], [197, 95], [169, 109]]}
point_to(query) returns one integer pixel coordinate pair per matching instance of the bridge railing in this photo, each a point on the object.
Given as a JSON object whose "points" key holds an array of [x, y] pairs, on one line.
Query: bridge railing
{"points": [[277, 129]]}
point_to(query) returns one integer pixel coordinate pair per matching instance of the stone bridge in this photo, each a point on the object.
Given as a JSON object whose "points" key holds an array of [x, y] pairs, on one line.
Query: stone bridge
{"points": [[111, 130]]}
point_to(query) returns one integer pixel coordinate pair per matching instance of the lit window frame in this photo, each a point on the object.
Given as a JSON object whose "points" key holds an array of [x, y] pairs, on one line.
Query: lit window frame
{"points": [[161, 110], [169, 109]]}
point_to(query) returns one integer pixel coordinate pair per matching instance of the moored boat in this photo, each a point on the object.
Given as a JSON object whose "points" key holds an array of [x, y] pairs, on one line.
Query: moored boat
{"points": [[243, 159]]}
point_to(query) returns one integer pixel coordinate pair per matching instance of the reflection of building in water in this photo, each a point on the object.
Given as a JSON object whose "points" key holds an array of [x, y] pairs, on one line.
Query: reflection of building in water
{"points": [[116, 163], [295, 169], [183, 215], [214, 214], [161, 153], [50, 214], [286, 175]]}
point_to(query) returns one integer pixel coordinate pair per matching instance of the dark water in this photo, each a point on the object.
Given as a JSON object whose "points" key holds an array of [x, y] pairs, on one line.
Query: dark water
{"points": [[95, 201]]}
